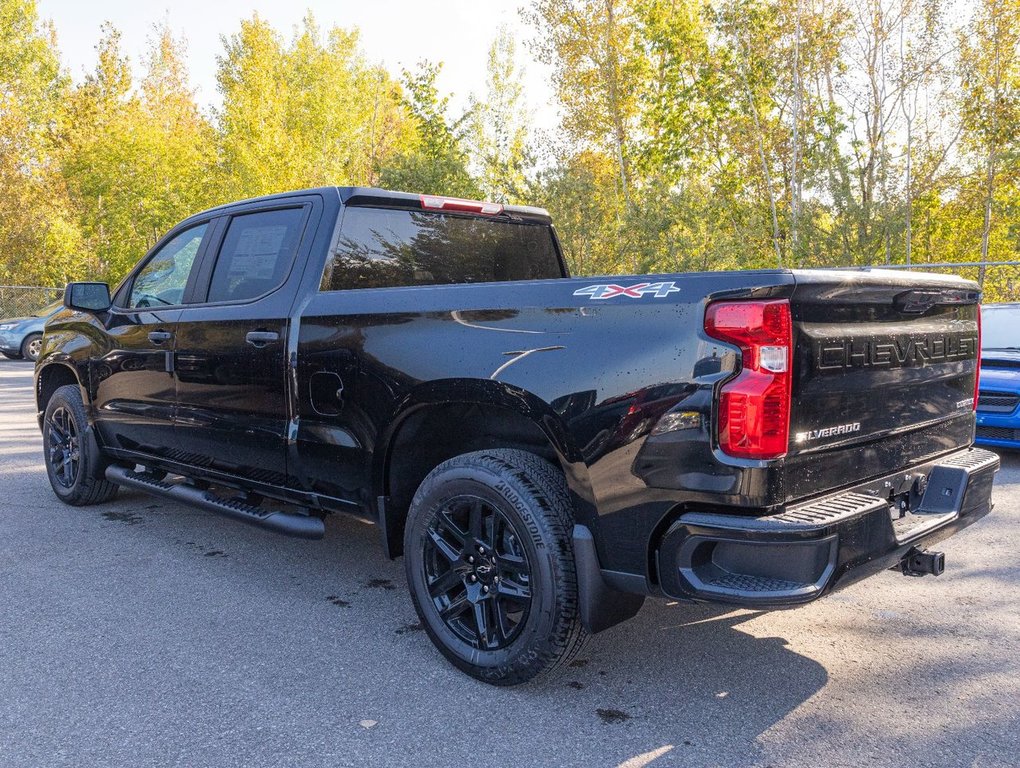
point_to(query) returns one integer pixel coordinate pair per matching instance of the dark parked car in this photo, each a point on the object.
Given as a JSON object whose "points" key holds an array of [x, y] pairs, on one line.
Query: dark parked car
{"points": [[998, 414], [544, 451], [21, 337]]}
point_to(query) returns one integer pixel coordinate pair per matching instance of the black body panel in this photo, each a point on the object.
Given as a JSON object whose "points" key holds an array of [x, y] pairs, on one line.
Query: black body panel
{"points": [[133, 383], [231, 364], [594, 377]]}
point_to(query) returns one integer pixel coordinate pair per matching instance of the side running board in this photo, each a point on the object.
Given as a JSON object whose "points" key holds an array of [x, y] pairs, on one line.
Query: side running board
{"points": [[301, 526]]}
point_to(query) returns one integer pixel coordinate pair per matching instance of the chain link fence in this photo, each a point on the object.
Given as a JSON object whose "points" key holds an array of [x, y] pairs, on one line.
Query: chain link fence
{"points": [[24, 300]]}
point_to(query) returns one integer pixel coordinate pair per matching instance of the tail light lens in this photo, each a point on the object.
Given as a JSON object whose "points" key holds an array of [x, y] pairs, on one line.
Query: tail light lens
{"points": [[977, 362], [754, 407], [458, 204]]}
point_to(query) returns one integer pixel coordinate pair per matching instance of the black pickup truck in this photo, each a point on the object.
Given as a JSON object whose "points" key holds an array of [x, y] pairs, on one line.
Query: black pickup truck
{"points": [[545, 451]]}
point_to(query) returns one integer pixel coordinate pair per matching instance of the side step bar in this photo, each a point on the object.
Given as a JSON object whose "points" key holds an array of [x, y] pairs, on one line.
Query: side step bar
{"points": [[301, 526]]}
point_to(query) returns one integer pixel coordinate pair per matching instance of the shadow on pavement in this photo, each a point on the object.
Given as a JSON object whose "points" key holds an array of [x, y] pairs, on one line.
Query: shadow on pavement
{"points": [[678, 676]]}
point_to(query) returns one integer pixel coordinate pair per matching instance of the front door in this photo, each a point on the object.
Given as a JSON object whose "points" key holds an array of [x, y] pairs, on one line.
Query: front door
{"points": [[231, 356], [133, 376]]}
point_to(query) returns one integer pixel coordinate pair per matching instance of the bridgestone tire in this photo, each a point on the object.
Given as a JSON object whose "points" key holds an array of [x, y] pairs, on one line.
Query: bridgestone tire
{"points": [[89, 484], [526, 496]]}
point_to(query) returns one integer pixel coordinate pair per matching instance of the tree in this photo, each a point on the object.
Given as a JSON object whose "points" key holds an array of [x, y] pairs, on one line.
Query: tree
{"points": [[752, 35], [990, 69], [181, 168], [728, 113], [310, 113], [136, 160], [437, 162], [498, 127], [598, 72], [582, 195], [38, 237], [695, 134], [257, 154]]}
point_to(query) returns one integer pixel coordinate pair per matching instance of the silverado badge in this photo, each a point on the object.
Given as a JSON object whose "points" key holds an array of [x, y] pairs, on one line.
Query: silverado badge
{"points": [[841, 429]]}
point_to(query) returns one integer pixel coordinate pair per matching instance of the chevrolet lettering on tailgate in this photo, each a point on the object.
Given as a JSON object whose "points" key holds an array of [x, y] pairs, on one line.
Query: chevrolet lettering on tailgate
{"points": [[839, 354]]}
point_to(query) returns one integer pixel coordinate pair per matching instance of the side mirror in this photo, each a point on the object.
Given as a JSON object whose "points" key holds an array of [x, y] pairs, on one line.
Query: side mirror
{"points": [[89, 297]]}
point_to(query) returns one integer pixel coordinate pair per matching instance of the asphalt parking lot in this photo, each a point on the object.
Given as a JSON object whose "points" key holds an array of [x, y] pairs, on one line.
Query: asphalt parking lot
{"points": [[144, 633]]}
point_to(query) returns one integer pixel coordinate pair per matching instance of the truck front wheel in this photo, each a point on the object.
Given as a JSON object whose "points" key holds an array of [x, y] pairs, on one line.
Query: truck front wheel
{"points": [[74, 463], [491, 567]]}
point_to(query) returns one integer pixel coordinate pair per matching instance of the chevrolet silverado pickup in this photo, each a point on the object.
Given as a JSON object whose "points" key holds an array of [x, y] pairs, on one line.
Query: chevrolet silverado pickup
{"points": [[544, 451]]}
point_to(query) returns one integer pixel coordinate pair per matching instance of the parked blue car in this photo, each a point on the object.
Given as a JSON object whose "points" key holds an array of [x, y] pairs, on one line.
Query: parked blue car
{"points": [[21, 337], [998, 411]]}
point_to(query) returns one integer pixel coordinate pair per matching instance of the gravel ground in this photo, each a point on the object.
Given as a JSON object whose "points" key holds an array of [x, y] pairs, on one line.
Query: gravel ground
{"points": [[144, 633]]}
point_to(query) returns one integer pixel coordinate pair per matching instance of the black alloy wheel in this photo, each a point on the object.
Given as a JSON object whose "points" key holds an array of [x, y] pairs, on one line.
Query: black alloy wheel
{"points": [[477, 572], [74, 462], [64, 447], [490, 564]]}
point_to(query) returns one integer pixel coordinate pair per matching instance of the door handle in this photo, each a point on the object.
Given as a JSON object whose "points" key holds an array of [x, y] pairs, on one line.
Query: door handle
{"points": [[261, 338], [158, 337]]}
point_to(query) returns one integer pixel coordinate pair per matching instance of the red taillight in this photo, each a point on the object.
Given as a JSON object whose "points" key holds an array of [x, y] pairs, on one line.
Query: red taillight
{"points": [[457, 204], [754, 407], [977, 362]]}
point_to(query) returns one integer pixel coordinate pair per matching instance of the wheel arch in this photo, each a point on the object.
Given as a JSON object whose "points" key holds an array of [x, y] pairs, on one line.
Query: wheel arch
{"points": [[52, 376], [443, 419]]}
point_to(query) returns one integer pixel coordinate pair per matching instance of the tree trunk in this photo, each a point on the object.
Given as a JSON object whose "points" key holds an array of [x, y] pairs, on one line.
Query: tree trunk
{"points": [[764, 164], [986, 230], [795, 189]]}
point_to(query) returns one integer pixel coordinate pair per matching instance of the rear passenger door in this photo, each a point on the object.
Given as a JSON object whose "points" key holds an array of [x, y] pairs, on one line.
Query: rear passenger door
{"points": [[354, 361], [231, 357]]}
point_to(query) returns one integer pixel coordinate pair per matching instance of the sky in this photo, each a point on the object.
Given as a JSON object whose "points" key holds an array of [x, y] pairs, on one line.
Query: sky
{"points": [[397, 33]]}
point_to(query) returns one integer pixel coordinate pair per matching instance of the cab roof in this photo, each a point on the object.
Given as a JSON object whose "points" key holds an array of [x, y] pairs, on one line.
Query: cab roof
{"points": [[384, 198]]}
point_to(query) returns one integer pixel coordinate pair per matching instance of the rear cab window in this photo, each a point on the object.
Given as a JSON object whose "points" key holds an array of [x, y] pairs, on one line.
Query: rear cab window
{"points": [[390, 247]]}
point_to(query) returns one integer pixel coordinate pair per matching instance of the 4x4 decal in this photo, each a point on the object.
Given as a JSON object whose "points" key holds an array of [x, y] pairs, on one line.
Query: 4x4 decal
{"points": [[638, 291]]}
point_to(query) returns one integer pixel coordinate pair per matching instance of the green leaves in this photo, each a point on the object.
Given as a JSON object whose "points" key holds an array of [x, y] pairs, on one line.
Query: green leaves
{"points": [[436, 161], [135, 160], [755, 132], [695, 134], [498, 133], [309, 113], [34, 214]]}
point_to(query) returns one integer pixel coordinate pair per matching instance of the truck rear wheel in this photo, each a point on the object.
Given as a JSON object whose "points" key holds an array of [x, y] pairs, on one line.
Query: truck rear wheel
{"points": [[490, 565], [74, 463]]}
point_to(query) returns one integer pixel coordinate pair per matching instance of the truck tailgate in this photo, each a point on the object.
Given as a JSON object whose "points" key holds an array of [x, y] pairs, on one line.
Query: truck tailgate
{"points": [[884, 374]]}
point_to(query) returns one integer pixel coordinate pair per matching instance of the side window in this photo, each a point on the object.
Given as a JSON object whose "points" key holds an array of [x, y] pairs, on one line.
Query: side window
{"points": [[382, 247], [162, 280], [256, 254]]}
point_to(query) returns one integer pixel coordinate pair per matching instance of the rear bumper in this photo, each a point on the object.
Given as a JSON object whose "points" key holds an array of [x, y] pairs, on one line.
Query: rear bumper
{"points": [[802, 553]]}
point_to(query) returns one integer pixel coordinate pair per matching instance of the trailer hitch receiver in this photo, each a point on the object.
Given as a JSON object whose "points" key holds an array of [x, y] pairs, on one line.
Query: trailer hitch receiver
{"points": [[919, 562]]}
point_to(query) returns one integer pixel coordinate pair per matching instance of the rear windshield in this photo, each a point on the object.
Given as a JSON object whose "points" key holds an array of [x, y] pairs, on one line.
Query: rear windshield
{"points": [[383, 247], [1000, 327]]}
